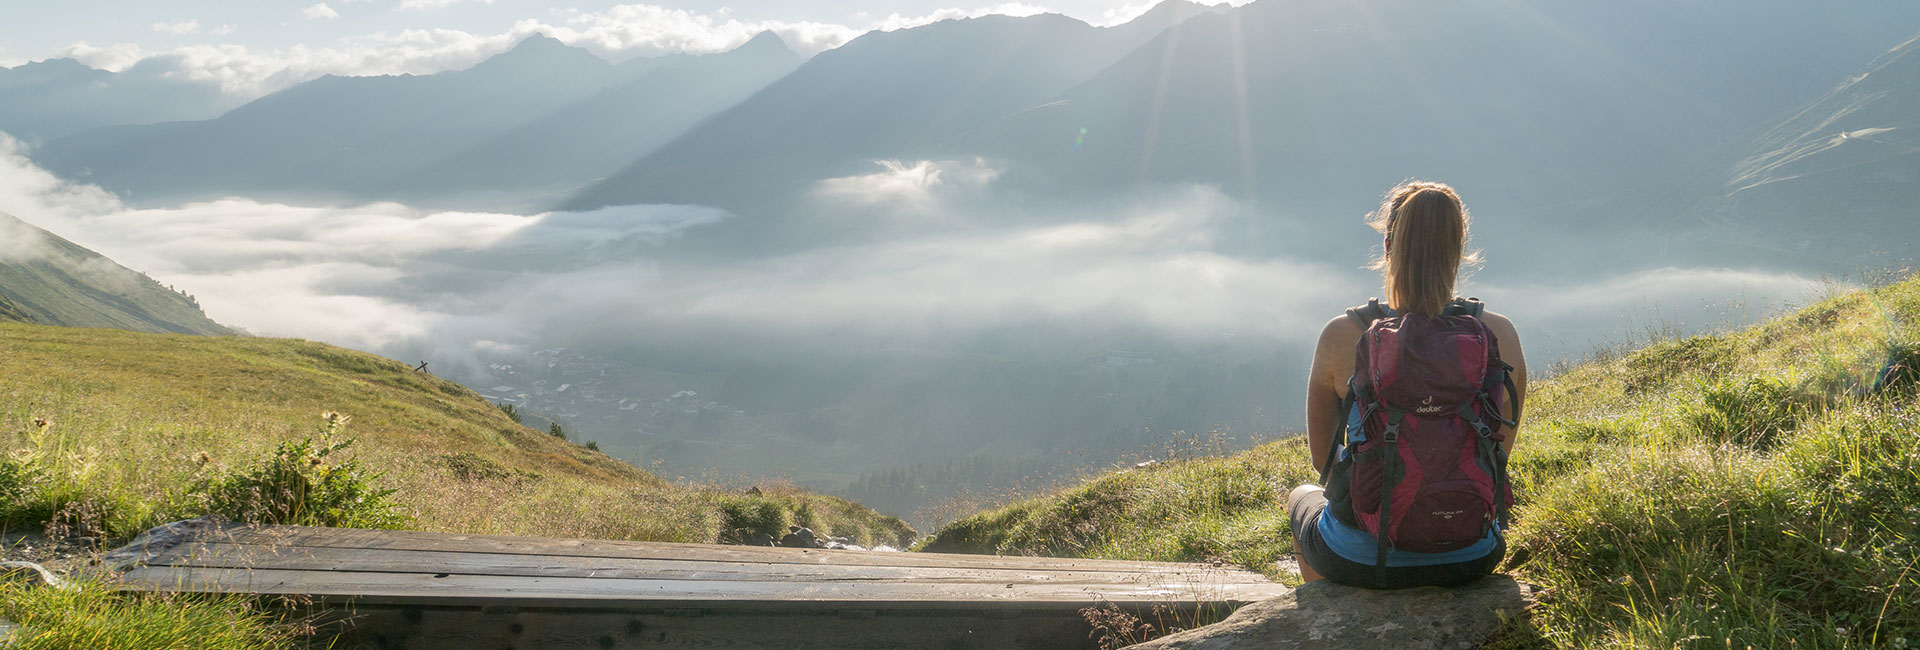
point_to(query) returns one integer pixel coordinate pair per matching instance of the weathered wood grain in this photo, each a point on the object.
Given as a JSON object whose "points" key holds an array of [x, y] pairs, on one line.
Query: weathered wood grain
{"points": [[314, 558], [424, 541], [520, 591], [407, 589]]}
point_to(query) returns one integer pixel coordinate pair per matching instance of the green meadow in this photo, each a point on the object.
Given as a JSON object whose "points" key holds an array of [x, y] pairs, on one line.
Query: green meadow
{"points": [[1757, 488]]}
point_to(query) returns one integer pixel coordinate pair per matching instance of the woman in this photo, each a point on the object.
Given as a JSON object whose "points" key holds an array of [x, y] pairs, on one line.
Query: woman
{"points": [[1425, 231]]}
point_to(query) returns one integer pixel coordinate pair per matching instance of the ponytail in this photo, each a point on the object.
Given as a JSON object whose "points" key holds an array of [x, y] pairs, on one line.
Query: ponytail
{"points": [[1426, 241]]}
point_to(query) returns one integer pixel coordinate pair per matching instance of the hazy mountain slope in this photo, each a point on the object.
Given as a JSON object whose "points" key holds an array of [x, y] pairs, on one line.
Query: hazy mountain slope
{"points": [[10, 312], [1300, 103], [49, 280], [885, 95], [334, 136], [50, 99], [1831, 187], [657, 100]]}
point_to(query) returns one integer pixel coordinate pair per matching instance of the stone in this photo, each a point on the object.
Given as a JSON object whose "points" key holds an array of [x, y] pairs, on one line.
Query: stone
{"points": [[161, 538], [29, 573], [1326, 616], [798, 537]]}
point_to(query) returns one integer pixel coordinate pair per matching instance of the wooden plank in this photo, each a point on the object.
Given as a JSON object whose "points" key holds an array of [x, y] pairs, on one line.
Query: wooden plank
{"points": [[425, 541], [454, 589], [414, 628], [246, 556]]}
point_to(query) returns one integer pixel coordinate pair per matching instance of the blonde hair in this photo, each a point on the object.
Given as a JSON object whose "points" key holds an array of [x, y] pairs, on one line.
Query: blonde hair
{"points": [[1425, 226]]}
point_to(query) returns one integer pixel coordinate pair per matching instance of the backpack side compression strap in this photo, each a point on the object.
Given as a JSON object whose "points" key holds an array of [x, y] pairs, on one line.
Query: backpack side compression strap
{"points": [[1389, 479]]}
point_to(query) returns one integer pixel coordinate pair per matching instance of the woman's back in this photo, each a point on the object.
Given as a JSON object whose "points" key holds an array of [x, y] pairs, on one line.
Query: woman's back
{"points": [[1424, 237]]}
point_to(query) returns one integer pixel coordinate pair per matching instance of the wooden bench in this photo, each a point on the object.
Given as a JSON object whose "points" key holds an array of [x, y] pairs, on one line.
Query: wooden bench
{"points": [[406, 589]]}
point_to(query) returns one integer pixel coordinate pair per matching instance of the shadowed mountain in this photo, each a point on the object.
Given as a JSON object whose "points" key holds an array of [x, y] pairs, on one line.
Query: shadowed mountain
{"points": [[1540, 111], [48, 280], [334, 137], [50, 99], [1830, 188], [563, 150], [884, 95]]}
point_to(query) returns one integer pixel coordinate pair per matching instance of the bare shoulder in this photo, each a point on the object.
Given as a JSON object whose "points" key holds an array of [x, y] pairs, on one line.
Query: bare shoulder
{"points": [[1502, 327], [1340, 332]]}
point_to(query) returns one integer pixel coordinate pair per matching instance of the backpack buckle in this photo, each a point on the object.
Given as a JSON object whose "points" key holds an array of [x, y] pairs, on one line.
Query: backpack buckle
{"points": [[1392, 434]]}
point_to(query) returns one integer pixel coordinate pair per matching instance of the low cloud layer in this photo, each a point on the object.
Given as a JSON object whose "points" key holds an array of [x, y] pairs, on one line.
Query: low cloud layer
{"points": [[939, 259], [385, 275]]}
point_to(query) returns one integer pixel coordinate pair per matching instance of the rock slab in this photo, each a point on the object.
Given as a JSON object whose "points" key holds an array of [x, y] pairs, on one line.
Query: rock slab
{"points": [[30, 574], [1326, 616]]}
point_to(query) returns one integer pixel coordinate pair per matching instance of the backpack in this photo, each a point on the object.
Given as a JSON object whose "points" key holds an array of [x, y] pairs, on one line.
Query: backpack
{"points": [[1425, 472]]}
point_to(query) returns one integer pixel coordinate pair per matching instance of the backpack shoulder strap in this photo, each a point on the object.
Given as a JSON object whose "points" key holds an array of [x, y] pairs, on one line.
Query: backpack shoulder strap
{"points": [[1366, 314], [1465, 307]]}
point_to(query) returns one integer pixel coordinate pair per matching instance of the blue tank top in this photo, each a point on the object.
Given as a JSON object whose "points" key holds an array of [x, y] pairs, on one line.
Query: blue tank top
{"points": [[1357, 546]]}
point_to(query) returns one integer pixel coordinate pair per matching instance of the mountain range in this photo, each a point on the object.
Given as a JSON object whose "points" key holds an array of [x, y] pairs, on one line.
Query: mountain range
{"points": [[1554, 113], [903, 95], [50, 99], [1591, 139], [539, 115]]}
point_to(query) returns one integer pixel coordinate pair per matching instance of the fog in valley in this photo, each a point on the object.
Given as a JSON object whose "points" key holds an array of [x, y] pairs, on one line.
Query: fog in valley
{"points": [[1000, 272]]}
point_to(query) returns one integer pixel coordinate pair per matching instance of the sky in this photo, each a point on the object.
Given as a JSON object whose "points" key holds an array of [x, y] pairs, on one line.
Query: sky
{"points": [[255, 46]]}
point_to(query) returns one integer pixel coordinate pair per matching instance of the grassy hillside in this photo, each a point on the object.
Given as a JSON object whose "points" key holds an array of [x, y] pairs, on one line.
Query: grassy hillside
{"points": [[1758, 488], [49, 280], [117, 431]]}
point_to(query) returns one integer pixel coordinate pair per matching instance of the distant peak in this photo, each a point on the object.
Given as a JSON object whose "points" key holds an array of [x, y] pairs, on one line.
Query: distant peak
{"points": [[1175, 11], [766, 41], [539, 41], [53, 64], [542, 50]]}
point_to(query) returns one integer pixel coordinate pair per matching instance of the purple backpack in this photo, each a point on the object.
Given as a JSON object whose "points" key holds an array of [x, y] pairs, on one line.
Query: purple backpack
{"points": [[1425, 472]]}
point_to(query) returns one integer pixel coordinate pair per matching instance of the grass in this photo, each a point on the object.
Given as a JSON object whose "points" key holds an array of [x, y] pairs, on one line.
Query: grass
{"points": [[1193, 510], [128, 430], [1758, 488], [104, 433], [91, 616]]}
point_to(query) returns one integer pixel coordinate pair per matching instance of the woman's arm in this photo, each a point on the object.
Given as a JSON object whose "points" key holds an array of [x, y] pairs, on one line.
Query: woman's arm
{"points": [[1510, 352], [1326, 383]]}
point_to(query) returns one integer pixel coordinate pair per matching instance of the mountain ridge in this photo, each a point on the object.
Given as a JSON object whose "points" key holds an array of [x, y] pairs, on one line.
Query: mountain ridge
{"points": [[56, 282]]}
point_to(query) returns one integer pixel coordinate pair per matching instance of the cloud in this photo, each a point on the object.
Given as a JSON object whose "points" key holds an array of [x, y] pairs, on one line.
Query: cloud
{"points": [[1125, 13], [436, 4], [26, 189], [319, 11], [896, 21], [178, 27], [1570, 320], [908, 185], [18, 241], [618, 33], [222, 30], [933, 252]]}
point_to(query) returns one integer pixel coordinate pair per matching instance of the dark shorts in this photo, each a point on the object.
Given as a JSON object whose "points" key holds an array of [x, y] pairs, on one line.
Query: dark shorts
{"points": [[1314, 551]]}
